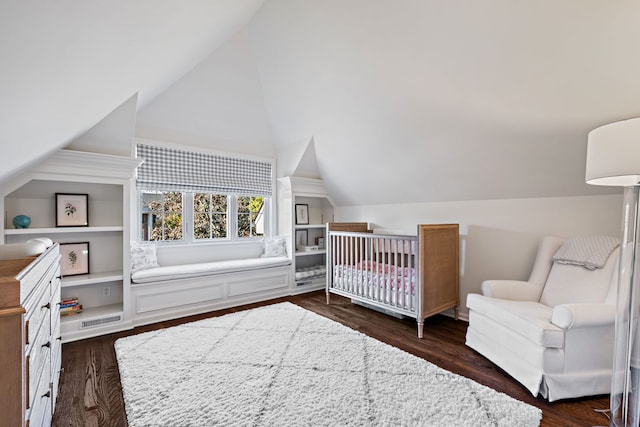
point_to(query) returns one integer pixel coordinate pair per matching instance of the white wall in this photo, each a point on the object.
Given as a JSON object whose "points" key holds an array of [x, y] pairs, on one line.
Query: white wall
{"points": [[217, 105], [113, 134], [498, 238]]}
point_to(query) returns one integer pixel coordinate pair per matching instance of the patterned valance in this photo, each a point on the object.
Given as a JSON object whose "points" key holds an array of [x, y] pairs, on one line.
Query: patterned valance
{"points": [[169, 169]]}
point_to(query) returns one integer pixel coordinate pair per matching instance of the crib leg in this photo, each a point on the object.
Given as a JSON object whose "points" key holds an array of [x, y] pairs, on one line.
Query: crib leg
{"points": [[328, 298], [456, 312], [420, 328]]}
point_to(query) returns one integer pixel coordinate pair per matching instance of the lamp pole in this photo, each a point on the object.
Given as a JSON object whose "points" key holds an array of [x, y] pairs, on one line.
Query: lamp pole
{"points": [[613, 159], [625, 382]]}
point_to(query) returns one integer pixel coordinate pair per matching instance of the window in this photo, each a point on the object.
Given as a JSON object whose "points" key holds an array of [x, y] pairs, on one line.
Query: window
{"points": [[166, 216], [250, 216], [162, 216], [209, 216], [193, 196]]}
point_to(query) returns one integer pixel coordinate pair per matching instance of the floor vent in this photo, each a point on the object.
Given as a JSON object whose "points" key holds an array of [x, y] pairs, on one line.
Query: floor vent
{"points": [[97, 322]]}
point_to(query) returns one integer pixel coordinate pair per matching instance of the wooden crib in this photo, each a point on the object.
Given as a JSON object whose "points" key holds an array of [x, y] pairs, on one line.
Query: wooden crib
{"points": [[415, 276]]}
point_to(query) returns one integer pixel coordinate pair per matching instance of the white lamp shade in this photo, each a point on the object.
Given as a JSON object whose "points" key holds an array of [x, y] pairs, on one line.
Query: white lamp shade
{"points": [[613, 154]]}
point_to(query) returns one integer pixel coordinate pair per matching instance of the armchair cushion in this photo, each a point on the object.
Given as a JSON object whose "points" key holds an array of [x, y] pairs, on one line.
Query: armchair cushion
{"points": [[526, 318]]}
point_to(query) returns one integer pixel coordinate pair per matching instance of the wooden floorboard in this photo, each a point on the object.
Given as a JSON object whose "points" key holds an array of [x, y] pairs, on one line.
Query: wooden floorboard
{"points": [[91, 395]]}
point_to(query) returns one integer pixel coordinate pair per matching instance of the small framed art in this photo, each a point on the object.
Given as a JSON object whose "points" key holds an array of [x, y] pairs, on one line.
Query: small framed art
{"points": [[74, 258], [72, 210], [302, 214], [302, 237]]}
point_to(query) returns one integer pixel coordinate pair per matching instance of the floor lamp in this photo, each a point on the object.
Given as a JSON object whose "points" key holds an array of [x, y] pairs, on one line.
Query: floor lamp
{"points": [[613, 159]]}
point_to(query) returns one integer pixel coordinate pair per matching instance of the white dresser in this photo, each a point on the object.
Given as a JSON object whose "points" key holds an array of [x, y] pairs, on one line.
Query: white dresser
{"points": [[30, 353]]}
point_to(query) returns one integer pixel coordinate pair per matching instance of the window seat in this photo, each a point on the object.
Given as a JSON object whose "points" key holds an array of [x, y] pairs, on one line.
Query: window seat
{"points": [[185, 271], [172, 291]]}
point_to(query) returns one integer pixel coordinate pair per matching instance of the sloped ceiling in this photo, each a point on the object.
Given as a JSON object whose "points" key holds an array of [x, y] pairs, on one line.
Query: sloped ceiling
{"points": [[430, 100], [66, 64], [405, 100]]}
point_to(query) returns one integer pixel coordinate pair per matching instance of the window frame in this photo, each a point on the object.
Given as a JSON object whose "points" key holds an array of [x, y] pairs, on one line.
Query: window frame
{"points": [[188, 223]]}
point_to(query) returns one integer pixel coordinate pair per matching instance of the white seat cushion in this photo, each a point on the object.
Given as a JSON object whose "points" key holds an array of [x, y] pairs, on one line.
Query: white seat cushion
{"points": [[527, 318], [173, 272]]}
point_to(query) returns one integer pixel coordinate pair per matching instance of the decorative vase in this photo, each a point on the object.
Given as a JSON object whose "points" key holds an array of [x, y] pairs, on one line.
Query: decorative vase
{"points": [[21, 221]]}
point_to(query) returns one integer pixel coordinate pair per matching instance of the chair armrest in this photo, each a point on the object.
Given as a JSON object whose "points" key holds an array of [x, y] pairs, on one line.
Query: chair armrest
{"points": [[568, 316], [516, 290]]}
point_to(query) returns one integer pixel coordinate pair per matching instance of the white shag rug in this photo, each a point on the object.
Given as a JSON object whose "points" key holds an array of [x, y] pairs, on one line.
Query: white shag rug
{"points": [[282, 365]]}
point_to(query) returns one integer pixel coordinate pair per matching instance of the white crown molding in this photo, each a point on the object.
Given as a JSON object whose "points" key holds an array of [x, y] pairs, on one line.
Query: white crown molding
{"points": [[70, 162]]}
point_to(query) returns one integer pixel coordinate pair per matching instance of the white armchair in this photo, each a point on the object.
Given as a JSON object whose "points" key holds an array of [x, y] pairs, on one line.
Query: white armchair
{"points": [[553, 333]]}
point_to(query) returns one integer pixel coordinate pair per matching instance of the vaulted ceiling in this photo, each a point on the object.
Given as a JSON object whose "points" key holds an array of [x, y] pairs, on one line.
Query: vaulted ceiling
{"points": [[66, 64], [410, 100]]}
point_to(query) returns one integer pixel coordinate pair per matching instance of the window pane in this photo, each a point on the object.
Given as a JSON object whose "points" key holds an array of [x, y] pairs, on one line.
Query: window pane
{"points": [[172, 216], [219, 203], [201, 202], [173, 202], [161, 216], [244, 204], [201, 226], [244, 225], [173, 227], [250, 216], [210, 216], [256, 204], [219, 226]]}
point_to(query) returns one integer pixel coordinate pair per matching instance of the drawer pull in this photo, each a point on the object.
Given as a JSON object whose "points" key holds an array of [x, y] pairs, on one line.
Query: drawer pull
{"points": [[59, 338], [47, 306], [47, 344], [47, 394]]}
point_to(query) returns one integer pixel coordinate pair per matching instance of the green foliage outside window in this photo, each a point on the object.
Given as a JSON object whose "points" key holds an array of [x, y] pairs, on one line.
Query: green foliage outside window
{"points": [[166, 211], [250, 216], [209, 216], [162, 216]]}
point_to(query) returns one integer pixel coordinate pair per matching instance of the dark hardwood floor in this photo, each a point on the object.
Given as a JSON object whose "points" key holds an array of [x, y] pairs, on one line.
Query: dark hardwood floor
{"points": [[90, 390]]}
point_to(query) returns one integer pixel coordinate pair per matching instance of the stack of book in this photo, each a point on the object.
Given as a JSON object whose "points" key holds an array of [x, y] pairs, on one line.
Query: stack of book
{"points": [[70, 306]]}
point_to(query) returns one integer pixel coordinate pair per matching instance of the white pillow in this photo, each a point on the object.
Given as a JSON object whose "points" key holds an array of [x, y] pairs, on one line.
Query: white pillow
{"points": [[143, 256], [273, 247]]}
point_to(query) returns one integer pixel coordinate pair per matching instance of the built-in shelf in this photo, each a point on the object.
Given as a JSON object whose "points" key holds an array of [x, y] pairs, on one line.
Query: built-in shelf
{"points": [[89, 279], [63, 230], [312, 281], [89, 313], [304, 226], [306, 253]]}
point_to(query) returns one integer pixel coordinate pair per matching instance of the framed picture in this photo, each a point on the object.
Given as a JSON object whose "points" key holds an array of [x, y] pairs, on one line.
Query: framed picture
{"points": [[301, 239], [74, 258], [302, 214], [72, 210]]}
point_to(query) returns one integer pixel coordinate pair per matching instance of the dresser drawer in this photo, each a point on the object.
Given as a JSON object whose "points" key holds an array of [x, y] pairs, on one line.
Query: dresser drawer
{"points": [[38, 313], [39, 413], [39, 359], [36, 275]]}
